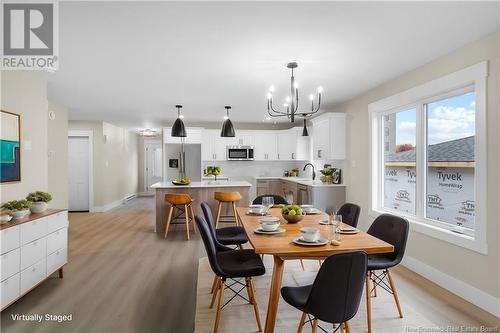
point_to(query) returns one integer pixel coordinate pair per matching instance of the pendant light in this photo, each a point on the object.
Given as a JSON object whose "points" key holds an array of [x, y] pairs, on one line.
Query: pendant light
{"points": [[304, 130], [227, 126], [178, 129]]}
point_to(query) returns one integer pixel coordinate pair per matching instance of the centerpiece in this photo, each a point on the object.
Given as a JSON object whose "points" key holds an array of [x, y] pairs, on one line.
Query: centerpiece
{"points": [[213, 171], [18, 208], [292, 213], [39, 201]]}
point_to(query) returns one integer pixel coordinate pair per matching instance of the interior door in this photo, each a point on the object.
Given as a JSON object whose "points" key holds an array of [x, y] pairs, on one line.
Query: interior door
{"points": [[78, 172], [153, 165]]}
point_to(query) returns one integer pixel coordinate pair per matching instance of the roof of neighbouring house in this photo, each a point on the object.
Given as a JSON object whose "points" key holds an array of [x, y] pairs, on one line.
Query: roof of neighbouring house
{"points": [[459, 150]]}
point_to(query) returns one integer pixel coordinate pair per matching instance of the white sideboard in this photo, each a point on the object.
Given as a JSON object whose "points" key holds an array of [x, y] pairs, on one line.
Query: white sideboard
{"points": [[32, 249]]}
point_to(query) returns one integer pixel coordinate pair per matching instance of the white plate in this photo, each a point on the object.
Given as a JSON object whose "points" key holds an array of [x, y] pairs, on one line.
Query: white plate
{"points": [[324, 222], [349, 231], [260, 231], [319, 242], [313, 211], [256, 214], [269, 219]]}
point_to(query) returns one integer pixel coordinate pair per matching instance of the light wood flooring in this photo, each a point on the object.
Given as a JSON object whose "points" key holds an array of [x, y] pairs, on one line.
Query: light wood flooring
{"points": [[122, 277]]}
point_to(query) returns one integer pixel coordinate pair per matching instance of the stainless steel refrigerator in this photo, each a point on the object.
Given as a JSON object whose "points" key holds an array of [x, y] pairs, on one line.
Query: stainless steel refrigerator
{"points": [[183, 161]]}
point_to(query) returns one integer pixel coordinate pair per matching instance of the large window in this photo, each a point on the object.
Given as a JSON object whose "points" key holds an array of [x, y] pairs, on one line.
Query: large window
{"points": [[428, 157]]}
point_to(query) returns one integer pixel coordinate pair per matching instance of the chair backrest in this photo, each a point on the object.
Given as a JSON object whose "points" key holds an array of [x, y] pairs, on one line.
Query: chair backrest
{"points": [[210, 245], [350, 214], [394, 230], [338, 287], [278, 200], [209, 219]]}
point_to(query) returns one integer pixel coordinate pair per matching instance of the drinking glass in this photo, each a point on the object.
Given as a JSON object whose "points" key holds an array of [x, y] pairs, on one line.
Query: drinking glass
{"points": [[337, 222], [268, 202]]}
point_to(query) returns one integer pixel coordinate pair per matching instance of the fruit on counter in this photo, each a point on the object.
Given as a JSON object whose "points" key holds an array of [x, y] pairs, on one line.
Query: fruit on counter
{"points": [[183, 180], [291, 210], [213, 170]]}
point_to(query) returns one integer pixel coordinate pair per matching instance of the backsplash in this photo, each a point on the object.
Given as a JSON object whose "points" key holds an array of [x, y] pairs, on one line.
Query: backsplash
{"points": [[247, 170]]}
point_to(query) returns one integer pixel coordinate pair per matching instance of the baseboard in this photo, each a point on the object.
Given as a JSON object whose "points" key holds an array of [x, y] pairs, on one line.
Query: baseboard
{"points": [[471, 294], [114, 204]]}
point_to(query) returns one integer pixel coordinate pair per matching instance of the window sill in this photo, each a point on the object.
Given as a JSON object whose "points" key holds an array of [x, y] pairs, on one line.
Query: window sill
{"points": [[449, 236]]}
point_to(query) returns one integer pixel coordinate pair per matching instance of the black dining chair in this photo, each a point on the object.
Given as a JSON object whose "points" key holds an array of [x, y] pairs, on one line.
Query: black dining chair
{"points": [[278, 199], [350, 214], [228, 264], [335, 294], [234, 235], [393, 230]]}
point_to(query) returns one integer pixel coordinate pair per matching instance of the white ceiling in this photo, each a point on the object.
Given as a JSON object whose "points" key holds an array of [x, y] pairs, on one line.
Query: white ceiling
{"points": [[129, 63]]}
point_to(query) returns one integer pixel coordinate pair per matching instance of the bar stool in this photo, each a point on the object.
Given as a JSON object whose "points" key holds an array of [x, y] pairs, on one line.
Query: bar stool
{"points": [[227, 197], [183, 203]]}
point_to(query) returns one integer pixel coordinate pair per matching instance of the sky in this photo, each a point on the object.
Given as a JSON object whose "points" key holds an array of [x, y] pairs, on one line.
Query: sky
{"points": [[447, 119]]}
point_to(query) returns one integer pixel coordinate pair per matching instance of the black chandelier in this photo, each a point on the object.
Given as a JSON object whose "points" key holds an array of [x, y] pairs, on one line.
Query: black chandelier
{"points": [[292, 102]]}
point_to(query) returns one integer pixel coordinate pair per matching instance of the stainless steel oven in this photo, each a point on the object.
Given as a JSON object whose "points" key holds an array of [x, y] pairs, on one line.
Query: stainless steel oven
{"points": [[239, 153]]}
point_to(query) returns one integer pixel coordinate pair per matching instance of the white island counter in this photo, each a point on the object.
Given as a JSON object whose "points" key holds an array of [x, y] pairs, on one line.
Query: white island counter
{"points": [[199, 191]]}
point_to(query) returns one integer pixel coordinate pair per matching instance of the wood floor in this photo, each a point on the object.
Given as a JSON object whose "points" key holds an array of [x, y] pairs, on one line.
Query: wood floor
{"points": [[122, 277]]}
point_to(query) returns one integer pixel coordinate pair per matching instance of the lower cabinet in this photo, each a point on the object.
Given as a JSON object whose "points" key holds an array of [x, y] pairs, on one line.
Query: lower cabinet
{"points": [[35, 249]]}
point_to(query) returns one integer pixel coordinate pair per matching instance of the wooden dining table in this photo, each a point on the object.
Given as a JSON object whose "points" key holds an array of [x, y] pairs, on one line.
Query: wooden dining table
{"points": [[282, 248]]}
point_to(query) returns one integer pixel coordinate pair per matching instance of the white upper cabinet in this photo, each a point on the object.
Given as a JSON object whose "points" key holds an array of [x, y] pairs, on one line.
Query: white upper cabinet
{"points": [[329, 137], [213, 146], [265, 146], [193, 135], [244, 139]]}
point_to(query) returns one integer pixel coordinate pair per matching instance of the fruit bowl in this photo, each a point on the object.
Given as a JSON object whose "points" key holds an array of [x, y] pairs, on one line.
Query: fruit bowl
{"points": [[181, 181], [292, 213]]}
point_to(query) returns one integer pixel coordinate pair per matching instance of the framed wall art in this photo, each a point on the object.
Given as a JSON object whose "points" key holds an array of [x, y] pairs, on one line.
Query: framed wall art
{"points": [[10, 142]]}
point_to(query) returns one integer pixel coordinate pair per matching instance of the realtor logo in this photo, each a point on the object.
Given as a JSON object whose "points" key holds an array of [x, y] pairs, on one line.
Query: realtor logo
{"points": [[29, 35]]}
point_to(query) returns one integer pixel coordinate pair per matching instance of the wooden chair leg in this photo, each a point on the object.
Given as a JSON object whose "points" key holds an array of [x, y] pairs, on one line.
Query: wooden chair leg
{"points": [[315, 326], [342, 328], [216, 290], [214, 284], [169, 219], [347, 327], [302, 264], [219, 307], [186, 213], [249, 292], [395, 294], [374, 283], [301, 322], [218, 215], [235, 213], [368, 303], [192, 218], [255, 305]]}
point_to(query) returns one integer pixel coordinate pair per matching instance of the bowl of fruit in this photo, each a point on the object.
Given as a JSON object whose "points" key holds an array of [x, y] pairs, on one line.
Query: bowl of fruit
{"points": [[181, 181], [292, 213]]}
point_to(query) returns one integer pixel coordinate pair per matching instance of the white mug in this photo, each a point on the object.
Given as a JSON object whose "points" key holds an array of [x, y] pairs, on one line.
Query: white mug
{"points": [[269, 225], [309, 234]]}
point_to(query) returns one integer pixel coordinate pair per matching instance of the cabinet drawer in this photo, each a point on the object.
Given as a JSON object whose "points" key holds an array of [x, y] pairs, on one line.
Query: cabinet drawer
{"points": [[33, 252], [32, 275], [33, 230], [10, 262], [57, 240], [57, 221], [56, 260], [9, 238], [9, 289]]}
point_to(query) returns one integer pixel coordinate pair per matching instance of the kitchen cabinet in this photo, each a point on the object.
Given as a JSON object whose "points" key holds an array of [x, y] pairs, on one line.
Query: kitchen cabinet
{"points": [[290, 190], [213, 146], [287, 144], [269, 187], [194, 135], [265, 148], [329, 137], [244, 139]]}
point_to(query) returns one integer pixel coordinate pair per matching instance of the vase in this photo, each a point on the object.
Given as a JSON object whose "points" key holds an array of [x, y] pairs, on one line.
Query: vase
{"points": [[19, 214], [327, 179], [38, 207]]}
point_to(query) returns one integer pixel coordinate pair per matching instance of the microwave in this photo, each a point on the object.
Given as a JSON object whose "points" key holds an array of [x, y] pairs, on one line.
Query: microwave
{"points": [[239, 153]]}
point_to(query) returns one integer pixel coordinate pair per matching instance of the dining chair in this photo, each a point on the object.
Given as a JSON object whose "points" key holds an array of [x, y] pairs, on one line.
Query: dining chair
{"points": [[278, 199], [350, 214], [393, 230], [235, 235], [183, 203], [335, 294], [233, 265]]}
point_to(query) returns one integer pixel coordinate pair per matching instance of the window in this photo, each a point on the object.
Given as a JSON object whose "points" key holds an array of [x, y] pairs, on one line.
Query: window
{"points": [[428, 157]]}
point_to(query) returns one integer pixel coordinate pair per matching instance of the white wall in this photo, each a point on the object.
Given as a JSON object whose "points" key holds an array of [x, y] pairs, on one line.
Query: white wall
{"points": [[58, 156], [470, 268], [25, 93]]}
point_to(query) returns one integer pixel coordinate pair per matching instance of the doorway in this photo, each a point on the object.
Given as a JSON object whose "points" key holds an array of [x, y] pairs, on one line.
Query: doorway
{"points": [[153, 168], [80, 171]]}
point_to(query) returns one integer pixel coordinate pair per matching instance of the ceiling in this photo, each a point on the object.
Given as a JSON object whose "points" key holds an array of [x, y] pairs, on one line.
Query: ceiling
{"points": [[129, 63]]}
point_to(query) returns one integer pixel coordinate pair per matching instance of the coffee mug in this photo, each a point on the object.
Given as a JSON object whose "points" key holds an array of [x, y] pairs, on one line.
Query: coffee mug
{"points": [[256, 209], [269, 225], [309, 234]]}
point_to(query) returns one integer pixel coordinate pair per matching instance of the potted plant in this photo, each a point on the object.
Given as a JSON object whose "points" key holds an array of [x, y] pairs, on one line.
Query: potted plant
{"points": [[327, 173], [39, 201], [18, 208]]}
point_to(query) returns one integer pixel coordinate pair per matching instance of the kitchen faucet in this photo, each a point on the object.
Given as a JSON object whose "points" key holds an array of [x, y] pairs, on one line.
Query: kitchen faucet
{"points": [[314, 173]]}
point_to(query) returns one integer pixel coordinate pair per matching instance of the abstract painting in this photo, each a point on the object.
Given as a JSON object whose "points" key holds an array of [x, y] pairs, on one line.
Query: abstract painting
{"points": [[10, 142]]}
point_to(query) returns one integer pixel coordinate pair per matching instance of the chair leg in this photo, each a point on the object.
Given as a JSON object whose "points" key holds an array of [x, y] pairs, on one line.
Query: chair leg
{"points": [[320, 262], [218, 215], [216, 290], [255, 305], [192, 218], [368, 303], [214, 284], [235, 213], [315, 326], [219, 306], [374, 284], [347, 327], [395, 294], [301, 322], [302, 264], [342, 327], [169, 219], [249, 292], [186, 213]]}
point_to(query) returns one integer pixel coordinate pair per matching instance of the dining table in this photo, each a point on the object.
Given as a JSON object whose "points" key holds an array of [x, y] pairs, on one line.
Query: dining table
{"points": [[282, 247]]}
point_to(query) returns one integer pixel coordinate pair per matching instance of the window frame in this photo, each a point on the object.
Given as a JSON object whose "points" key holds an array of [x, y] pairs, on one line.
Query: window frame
{"points": [[469, 79]]}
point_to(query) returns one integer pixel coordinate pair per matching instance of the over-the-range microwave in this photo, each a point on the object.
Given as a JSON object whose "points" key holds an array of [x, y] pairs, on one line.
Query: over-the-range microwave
{"points": [[239, 153]]}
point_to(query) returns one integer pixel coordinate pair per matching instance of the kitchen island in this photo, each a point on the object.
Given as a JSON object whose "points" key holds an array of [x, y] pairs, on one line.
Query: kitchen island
{"points": [[199, 191]]}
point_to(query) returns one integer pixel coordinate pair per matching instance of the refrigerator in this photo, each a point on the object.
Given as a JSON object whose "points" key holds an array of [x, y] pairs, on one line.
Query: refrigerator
{"points": [[182, 160]]}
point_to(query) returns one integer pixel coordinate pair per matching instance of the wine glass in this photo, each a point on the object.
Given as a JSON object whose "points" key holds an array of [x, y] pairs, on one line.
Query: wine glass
{"points": [[337, 222], [268, 202]]}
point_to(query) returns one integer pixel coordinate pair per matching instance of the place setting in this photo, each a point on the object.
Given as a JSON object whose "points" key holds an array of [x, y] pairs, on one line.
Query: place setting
{"points": [[310, 237], [310, 210], [336, 221], [269, 225]]}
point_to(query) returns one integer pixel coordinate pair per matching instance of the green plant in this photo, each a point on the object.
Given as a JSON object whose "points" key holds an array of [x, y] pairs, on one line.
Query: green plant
{"points": [[327, 171], [39, 196], [15, 205]]}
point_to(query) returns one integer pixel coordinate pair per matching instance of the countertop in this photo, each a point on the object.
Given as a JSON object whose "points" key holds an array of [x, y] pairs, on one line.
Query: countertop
{"points": [[301, 181], [203, 184], [29, 218]]}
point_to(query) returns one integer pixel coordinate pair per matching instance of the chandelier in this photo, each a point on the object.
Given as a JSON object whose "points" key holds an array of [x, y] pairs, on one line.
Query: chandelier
{"points": [[292, 102]]}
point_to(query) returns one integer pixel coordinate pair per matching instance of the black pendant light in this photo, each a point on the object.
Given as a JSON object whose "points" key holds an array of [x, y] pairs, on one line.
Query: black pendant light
{"points": [[227, 126], [304, 130], [178, 129]]}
